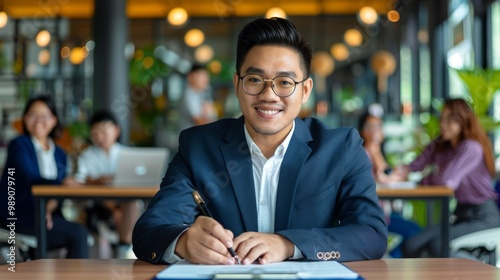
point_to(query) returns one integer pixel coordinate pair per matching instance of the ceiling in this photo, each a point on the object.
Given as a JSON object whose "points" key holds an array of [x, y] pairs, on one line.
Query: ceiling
{"points": [[195, 8]]}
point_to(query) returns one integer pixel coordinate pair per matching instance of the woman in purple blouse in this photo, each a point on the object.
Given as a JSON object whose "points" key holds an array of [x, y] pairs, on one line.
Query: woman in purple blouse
{"points": [[461, 158]]}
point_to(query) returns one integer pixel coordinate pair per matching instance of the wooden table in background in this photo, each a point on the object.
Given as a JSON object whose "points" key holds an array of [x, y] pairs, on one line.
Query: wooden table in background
{"points": [[44, 192], [441, 194], [420, 269]]}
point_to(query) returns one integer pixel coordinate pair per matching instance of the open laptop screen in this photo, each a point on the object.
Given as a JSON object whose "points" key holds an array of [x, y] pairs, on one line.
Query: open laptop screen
{"points": [[141, 166]]}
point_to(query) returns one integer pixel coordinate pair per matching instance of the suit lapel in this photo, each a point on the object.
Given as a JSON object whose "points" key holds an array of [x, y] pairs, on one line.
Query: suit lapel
{"points": [[294, 159], [239, 166]]}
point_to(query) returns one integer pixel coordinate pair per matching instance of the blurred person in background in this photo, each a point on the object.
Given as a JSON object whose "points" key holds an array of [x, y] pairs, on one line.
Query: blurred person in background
{"points": [[461, 158], [97, 166], [370, 129], [34, 159], [196, 105]]}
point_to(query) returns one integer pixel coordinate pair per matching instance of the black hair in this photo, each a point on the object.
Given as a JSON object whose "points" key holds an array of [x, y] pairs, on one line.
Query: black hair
{"points": [[362, 120], [103, 116], [47, 100], [195, 67], [273, 31]]}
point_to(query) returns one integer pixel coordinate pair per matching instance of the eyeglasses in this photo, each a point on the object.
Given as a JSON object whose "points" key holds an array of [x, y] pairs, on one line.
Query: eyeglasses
{"points": [[283, 86], [34, 117]]}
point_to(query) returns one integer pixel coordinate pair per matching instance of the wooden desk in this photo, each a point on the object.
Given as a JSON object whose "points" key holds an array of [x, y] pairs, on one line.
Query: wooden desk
{"points": [[44, 192], [441, 194], [428, 269]]}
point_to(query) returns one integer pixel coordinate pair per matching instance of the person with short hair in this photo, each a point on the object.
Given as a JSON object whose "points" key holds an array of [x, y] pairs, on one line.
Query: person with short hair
{"points": [[277, 186], [97, 166]]}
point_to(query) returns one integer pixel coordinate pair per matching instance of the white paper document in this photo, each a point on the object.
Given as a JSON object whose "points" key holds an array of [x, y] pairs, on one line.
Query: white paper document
{"points": [[397, 185], [280, 270]]}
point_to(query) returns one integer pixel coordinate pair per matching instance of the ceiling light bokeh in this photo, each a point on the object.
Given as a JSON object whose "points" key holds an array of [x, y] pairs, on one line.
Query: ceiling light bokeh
{"points": [[177, 16], [42, 38], [65, 52], [339, 51], [194, 37], [368, 15], [44, 57], [353, 37], [4, 18], [275, 12], [393, 16], [204, 53]]}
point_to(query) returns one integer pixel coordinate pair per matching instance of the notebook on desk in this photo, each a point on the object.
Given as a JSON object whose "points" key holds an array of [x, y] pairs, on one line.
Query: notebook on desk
{"points": [[140, 166], [280, 270]]}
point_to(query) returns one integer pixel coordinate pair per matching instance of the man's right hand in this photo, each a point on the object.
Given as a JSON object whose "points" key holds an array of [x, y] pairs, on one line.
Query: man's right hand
{"points": [[205, 242]]}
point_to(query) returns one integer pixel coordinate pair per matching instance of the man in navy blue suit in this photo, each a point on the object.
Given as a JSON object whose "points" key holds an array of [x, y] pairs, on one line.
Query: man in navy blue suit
{"points": [[278, 187]]}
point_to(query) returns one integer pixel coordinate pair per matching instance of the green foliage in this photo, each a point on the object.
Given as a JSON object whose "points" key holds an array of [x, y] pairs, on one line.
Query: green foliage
{"points": [[482, 85], [145, 66]]}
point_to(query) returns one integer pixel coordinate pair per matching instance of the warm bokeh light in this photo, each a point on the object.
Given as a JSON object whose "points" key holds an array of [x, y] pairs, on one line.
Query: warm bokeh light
{"points": [[215, 67], [353, 37], [194, 37], [275, 12], [368, 15], [3, 19], [322, 64], [339, 51], [393, 16], [77, 56], [423, 36], [85, 52], [43, 38], [147, 62], [44, 57], [177, 16], [65, 52], [204, 53]]}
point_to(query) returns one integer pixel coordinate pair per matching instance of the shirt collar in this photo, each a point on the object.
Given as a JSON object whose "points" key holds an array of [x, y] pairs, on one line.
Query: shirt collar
{"points": [[38, 145], [280, 151]]}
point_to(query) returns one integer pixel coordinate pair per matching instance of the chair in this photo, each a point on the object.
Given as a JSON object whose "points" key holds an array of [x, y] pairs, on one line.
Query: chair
{"points": [[489, 238], [25, 245]]}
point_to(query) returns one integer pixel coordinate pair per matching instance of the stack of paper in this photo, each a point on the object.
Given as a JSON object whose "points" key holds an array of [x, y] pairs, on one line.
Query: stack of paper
{"points": [[280, 270]]}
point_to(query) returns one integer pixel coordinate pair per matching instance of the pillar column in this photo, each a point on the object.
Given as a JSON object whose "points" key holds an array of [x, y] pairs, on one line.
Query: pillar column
{"points": [[111, 83]]}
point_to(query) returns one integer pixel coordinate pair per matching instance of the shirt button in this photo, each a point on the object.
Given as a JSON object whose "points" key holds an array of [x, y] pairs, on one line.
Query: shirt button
{"points": [[153, 255]]}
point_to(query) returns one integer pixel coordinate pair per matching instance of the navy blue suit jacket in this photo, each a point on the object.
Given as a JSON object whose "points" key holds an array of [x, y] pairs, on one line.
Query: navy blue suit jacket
{"points": [[21, 156], [326, 198]]}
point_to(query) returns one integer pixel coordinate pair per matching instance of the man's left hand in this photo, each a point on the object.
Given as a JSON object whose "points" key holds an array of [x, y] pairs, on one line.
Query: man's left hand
{"points": [[264, 247]]}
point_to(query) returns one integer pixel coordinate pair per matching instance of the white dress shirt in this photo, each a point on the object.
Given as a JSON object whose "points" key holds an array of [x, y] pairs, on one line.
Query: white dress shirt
{"points": [[46, 160], [266, 178], [266, 174], [94, 162]]}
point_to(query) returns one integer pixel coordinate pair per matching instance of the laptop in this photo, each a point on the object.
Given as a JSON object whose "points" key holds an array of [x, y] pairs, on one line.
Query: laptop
{"points": [[141, 166]]}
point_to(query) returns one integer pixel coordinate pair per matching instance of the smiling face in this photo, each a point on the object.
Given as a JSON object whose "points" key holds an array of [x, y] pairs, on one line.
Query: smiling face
{"points": [[39, 121], [266, 114], [104, 134]]}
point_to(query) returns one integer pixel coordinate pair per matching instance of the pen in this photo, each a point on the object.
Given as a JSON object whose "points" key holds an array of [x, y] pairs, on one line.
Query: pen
{"points": [[206, 212]]}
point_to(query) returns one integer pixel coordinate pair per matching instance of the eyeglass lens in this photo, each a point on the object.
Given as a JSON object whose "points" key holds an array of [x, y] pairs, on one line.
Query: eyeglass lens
{"points": [[255, 84]]}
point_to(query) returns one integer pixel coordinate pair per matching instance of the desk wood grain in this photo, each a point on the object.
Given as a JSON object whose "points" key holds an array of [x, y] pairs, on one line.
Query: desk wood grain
{"points": [[149, 191], [95, 191], [428, 269], [419, 191]]}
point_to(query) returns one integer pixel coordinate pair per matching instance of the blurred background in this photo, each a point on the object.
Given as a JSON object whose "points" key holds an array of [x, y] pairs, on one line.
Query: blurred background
{"points": [[132, 56]]}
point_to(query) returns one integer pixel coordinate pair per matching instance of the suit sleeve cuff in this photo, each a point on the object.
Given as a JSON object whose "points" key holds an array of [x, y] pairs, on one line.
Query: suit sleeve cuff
{"points": [[297, 254], [170, 256]]}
